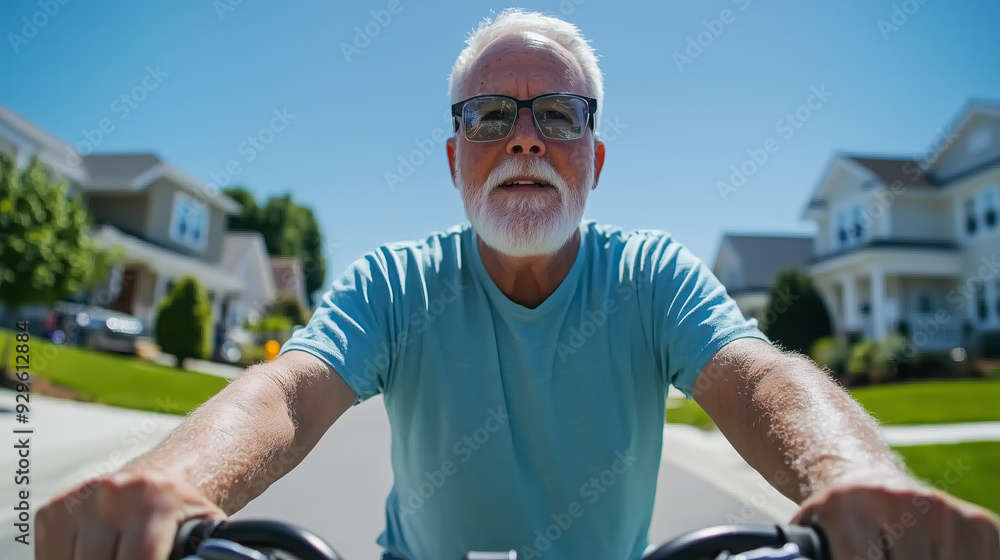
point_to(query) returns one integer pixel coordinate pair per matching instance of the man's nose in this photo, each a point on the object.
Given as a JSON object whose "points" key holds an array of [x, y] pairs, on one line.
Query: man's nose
{"points": [[525, 138]]}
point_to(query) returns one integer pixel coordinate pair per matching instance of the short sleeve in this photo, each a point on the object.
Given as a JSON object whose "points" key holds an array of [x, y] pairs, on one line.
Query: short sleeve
{"points": [[350, 327], [695, 316]]}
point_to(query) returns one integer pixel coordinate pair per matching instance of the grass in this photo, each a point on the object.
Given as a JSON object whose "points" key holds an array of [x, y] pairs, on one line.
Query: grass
{"points": [[970, 471], [938, 402], [119, 380], [932, 402]]}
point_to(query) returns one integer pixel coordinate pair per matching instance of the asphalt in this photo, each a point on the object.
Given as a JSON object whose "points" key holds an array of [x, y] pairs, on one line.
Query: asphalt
{"points": [[338, 491]]}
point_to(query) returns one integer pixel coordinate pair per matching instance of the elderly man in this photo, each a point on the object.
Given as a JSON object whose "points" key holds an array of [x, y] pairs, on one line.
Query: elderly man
{"points": [[520, 357]]}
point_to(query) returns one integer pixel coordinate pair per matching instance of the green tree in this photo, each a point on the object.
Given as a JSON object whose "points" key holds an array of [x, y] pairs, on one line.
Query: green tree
{"points": [[184, 321], [289, 230], [796, 316], [46, 250]]}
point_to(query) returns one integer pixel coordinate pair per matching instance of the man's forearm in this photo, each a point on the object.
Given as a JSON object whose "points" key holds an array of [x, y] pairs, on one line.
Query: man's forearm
{"points": [[235, 445], [795, 425]]}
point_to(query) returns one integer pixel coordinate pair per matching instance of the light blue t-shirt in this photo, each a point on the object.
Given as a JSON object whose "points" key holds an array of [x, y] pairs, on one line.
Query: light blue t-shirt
{"points": [[539, 429]]}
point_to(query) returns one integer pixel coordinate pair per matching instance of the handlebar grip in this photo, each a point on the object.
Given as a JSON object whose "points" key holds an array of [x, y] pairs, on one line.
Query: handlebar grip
{"points": [[191, 534], [810, 540]]}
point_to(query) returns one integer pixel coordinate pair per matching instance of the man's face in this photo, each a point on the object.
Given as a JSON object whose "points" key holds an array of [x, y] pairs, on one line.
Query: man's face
{"points": [[525, 220]]}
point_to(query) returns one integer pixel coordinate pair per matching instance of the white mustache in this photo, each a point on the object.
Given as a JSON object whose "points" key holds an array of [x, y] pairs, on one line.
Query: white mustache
{"points": [[510, 169]]}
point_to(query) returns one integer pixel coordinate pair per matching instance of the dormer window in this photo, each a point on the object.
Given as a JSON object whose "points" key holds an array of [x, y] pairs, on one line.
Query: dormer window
{"points": [[842, 233], [859, 224]]}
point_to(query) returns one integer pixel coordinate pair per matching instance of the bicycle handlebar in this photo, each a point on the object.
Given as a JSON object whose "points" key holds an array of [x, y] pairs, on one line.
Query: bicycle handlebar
{"points": [[305, 545]]}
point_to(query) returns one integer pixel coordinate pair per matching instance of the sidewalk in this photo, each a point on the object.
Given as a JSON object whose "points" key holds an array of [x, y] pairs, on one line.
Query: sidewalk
{"points": [[942, 433]]}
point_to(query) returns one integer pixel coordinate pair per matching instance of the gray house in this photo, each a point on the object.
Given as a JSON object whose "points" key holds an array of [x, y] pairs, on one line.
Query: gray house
{"points": [[748, 265], [162, 219]]}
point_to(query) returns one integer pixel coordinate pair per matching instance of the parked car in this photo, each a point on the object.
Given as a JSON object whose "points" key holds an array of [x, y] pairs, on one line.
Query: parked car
{"points": [[98, 328]]}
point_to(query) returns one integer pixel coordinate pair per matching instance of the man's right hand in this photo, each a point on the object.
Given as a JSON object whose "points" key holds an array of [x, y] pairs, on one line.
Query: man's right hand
{"points": [[125, 514]]}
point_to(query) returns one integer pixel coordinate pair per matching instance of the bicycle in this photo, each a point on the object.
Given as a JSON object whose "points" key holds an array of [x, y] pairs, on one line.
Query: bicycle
{"points": [[270, 540]]}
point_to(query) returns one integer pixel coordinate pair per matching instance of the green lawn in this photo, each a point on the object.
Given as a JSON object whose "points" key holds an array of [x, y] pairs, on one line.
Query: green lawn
{"points": [[970, 471], [119, 380], [932, 402], [936, 402]]}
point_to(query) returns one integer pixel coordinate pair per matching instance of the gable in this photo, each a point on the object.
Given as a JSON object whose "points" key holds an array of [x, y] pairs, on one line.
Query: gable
{"points": [[973, 142]]}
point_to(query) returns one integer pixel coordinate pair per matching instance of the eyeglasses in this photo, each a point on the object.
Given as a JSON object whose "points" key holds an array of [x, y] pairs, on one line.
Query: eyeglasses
{"points": [[558, 116]]}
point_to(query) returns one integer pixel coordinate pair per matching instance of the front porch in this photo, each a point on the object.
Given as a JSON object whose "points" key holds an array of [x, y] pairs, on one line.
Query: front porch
{"points": [[870, 296]]}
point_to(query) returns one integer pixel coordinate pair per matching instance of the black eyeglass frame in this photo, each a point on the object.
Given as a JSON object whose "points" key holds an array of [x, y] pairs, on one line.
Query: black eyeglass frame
{"points": [[456, 112]]}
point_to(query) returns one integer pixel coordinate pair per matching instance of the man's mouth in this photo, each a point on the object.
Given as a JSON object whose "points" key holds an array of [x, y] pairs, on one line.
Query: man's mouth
{"points": [[525, 184]]}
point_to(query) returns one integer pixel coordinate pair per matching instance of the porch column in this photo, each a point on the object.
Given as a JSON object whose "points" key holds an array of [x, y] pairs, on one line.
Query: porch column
{"points": [[878, 303], [833, 306], [852, 319]]}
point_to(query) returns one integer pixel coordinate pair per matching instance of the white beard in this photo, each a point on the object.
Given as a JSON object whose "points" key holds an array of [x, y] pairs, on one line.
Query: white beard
{"points": [[524, 224]]}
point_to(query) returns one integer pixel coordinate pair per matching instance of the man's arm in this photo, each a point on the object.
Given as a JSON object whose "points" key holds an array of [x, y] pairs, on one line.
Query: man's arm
{"points": [[816, 445], [254, 431], [223, 455]]}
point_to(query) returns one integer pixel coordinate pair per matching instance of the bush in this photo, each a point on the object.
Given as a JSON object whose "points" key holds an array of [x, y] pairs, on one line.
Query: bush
{"points": [[861, 357], [830, 353], [893, 352], [184, 321], [796, 316]]}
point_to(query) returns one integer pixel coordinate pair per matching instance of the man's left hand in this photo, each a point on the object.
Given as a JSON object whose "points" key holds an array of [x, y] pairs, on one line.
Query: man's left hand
{"points": [[868, 522]]}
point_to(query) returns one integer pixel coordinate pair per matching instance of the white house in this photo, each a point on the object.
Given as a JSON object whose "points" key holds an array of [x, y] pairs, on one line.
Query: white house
{"points": [[912, 244]]}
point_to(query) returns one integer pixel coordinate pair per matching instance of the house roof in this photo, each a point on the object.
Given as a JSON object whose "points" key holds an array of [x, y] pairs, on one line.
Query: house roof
{"points": [[136, 171], [907, 171], [763, 256]]}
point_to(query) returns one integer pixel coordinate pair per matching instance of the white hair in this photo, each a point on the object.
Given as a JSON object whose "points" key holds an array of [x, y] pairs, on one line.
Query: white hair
{"points": [[513, 21]]}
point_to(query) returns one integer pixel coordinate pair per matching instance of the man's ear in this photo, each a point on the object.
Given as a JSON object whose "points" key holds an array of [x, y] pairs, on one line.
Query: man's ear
{"points": [[598, 161], [450, 148]]}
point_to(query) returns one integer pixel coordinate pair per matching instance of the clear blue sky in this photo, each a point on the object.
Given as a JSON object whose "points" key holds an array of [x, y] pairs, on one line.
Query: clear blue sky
{"points": [[680, 130]]}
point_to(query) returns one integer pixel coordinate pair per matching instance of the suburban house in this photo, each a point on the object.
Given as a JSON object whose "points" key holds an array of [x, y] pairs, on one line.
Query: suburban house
{"points": [[911, 244], [747, 265], [164, 221]]}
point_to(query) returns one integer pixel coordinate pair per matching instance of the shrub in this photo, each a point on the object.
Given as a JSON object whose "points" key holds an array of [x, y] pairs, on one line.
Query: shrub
{"points": [[796, 316], [831, 353], [184, 321], [892, 352], [861, 357]]}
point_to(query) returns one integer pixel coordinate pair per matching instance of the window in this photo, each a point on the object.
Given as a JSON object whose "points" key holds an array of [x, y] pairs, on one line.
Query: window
{"points": [[859, 225], [989, 209], [925, 304], [842, 236], [970, 216], [189, 222]]}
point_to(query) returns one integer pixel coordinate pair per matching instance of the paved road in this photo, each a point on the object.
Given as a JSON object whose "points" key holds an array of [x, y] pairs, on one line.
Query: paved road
{"points": [[339, 489]]}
